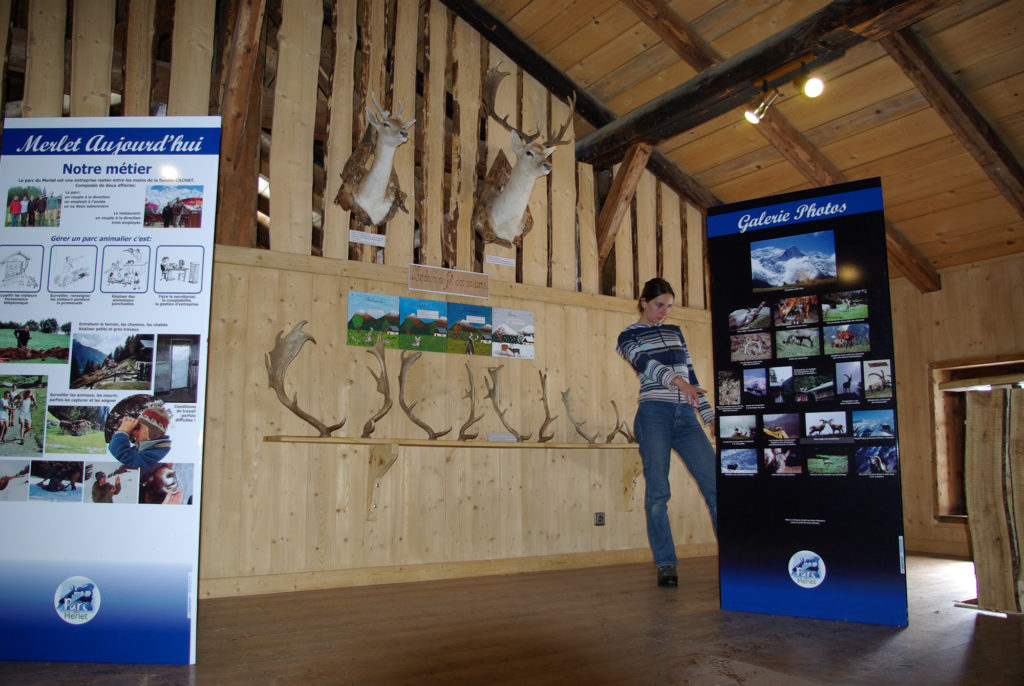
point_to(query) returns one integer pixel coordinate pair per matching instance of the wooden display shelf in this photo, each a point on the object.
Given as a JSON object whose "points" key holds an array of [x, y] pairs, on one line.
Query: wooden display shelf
{"points": [[384, 452]]}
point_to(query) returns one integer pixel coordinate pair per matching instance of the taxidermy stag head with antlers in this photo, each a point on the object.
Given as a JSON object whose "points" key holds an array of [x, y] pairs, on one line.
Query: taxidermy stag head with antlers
{"points": [[500, 214], [371, 191]]}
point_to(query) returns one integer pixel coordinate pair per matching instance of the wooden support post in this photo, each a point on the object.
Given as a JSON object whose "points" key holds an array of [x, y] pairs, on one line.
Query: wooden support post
{"points": [[382, 457], [616, 206]]}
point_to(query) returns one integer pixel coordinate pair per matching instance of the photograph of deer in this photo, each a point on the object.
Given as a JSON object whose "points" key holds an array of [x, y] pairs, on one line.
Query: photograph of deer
{"points": [[500, 213]]}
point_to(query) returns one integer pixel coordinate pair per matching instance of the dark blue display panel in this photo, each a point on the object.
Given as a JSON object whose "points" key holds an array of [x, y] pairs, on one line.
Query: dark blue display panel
{"points": [[810, 513]]}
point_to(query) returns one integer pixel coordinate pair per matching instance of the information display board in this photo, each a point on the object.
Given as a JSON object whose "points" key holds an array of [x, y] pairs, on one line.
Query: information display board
{"points": [[105, 264], [809, 501]]}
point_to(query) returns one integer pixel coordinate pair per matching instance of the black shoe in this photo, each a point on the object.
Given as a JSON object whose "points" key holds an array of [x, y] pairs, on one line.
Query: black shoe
{"points": [[667, 576]]}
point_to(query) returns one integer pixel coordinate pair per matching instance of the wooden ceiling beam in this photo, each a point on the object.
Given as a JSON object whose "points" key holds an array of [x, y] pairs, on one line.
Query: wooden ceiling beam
{"points": [[790, 143], [952, 104], [620, 196], [587, 106], [817, 39]]}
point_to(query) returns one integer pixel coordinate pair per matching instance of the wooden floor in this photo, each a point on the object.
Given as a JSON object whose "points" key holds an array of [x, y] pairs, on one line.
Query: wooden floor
{"points": [[608, 625]]}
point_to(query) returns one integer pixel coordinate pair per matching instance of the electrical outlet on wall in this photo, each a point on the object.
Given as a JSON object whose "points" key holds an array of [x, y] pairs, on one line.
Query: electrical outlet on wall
{"points": [[599, 519]]}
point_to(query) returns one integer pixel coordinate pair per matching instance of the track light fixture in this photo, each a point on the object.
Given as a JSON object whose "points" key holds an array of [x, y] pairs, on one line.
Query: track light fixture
{"points": [[809, 86], [756, 113]]}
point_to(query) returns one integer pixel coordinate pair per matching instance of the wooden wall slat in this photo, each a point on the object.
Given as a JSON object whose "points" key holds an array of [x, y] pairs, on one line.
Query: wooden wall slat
{"points": [[497, 140], [339, 134], [5, 17], [192, 55], [623, 248], [403, 90], [671, 241], [432, 164], [44, 59], [695, 275], [586, 213], [563, 204], [291, 152], [92, 53], [464, 176], [138, 63], [646, 238], [536, 253]]}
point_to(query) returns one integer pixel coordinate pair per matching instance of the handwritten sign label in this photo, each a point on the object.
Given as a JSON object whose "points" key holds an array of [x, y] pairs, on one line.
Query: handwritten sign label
{"points": [[449, 281]]}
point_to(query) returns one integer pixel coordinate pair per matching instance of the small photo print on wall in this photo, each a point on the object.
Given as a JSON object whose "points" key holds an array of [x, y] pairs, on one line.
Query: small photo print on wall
{"points": [[782, 461], [844, 305], [807, 259], [750, 347], [179, 269], [24, 399], [754, 317], [513, 333], [781, 427], [32, 207], [742, 427], [36, 341], [111, 361], [469, 329], [56, 481], [125, 269], [729, 386], [76, 429], [167, 483], [877, 379], [73, 268], [110, 482], [176, 368], [874, 424], [14, 480], [174, 206], [877, 460], [739, 461], [21, 268]]}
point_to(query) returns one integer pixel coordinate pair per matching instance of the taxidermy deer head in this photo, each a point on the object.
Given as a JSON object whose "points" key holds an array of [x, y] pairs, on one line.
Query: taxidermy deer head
{"points": [[500, 214], [371, 191]]}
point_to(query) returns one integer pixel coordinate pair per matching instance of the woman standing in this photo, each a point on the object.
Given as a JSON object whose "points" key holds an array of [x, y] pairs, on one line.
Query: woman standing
{"points": [[665, 418]]}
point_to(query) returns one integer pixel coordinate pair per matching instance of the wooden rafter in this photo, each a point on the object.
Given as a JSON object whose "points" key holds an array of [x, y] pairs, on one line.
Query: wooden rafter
{"points": [[790, 143], [950, 102], [616, 205]]}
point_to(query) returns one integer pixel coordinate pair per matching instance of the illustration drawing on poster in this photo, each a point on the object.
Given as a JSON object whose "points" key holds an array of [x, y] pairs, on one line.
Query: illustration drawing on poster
{"points": [[106, 251], [810, 514]]}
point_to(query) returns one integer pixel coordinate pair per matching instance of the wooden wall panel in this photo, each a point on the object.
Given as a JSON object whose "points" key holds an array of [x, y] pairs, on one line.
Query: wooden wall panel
{"points": [[695, 273], [646, 218], [44, 59], [299, 516], [403, 89], [536, 252], [586, 216], [672, 241], [92, 53], [466, 56], [498, 140]]}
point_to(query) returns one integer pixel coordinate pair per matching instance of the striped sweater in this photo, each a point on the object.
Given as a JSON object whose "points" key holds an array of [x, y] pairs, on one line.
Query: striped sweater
{"points": [[659, 355]]}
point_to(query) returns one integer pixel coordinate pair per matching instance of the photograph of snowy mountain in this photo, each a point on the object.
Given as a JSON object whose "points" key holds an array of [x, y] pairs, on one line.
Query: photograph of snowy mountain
{"points": [[800, 260]]}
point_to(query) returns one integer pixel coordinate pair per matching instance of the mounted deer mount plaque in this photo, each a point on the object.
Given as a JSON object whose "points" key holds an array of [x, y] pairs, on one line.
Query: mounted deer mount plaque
{"points": [[368, 189], [500, 212]]}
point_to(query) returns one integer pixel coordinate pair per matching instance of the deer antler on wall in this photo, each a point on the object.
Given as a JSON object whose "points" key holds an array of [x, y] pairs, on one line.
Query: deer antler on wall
{"points": [[382, 386], [548, 419], [621, 427], [578, 425], [277, 361], [407, 362], [371, 191], [492, 393], [473, 419], [500, 213]]}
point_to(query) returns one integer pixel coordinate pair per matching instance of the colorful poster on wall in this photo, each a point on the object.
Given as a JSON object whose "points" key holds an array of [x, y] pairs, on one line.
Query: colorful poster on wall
{"points": [[513, 333], [469, 329], [810, 510], [424, 325], [372, 315], [106, 251]]}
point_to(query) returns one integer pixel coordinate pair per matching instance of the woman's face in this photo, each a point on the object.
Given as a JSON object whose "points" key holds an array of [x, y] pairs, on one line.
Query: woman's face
{"points": [[654, 311]]}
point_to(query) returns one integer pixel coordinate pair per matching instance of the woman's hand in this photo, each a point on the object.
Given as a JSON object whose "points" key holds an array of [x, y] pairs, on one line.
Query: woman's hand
{"points": [[691, 394]]}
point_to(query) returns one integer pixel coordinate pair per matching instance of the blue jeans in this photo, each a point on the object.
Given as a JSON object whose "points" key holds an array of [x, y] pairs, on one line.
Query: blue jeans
{"points": [[660, 428]]}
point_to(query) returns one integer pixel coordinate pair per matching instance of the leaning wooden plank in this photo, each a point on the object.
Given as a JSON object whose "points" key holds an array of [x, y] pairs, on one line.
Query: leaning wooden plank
{"points": [[138, 63], [191, 56], [92, 52], [985, 481], [291, 151], [240, 130], [339, 134], [44, 59]]}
